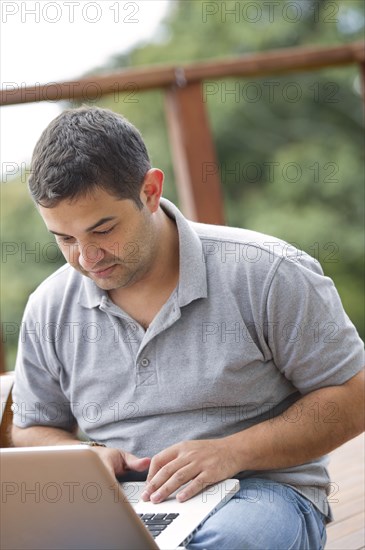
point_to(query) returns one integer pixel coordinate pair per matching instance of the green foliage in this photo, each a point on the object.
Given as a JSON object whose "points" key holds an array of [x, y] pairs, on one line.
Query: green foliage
{"points": [[29, 254], [290, 147]]}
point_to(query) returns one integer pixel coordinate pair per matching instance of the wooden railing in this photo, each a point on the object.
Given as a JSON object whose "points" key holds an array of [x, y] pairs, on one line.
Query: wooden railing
{"points": [[187, 120]]}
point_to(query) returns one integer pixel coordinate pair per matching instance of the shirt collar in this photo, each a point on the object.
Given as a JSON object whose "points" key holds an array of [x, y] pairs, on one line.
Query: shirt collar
{"points": [[192, 270], [90, 295], [192, 276]]}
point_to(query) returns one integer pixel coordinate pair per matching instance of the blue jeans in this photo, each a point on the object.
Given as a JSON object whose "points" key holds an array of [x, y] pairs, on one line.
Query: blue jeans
{"points": [[263, 515]]}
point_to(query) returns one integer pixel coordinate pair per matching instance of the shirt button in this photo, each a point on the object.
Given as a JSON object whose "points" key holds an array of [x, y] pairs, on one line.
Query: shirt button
{"points": [[145, 362]]}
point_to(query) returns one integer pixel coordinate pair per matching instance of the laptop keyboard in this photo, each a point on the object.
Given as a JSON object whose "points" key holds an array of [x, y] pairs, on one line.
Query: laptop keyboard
{"points": [[156, 523]]}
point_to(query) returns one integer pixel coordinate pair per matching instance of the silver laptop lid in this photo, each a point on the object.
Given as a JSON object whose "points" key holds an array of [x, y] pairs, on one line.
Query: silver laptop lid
{"points": [[64, 498]]}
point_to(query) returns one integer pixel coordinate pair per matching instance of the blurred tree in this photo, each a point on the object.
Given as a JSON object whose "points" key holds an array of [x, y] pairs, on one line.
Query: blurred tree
{"points": [[290, 148], [28, 255]]}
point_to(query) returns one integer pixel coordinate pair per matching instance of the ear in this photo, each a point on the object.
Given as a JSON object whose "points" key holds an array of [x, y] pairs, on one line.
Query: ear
{"points": [[152, 189]]}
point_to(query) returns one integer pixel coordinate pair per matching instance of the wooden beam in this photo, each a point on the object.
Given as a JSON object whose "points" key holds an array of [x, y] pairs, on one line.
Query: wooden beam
{"points": [[194, 157], [160, 76]]}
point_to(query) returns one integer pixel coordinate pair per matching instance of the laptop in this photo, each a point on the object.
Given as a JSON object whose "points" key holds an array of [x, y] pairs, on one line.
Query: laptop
{"points": [[63, 497]]}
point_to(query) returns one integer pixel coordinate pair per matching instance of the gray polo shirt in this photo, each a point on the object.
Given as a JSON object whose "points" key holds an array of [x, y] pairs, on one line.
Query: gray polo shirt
{"points": [[252, 325]]}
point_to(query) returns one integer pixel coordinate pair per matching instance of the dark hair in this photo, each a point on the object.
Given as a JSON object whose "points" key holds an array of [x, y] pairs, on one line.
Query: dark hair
{"points": [[86, 148]]}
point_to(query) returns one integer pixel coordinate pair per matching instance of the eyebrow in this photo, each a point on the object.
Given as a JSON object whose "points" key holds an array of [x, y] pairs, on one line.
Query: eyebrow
{"points": [[91, 228]]}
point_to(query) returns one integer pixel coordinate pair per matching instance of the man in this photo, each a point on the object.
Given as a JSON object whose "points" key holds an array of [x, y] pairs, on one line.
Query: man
{"points": [[195, 353]]}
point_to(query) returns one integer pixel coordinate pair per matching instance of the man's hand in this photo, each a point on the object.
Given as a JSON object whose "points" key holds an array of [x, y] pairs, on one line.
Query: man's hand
{"points": [[119, 462], [201, 462]]}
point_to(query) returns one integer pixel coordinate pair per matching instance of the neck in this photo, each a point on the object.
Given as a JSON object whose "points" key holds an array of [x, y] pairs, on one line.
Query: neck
{"points": [[165, 268], [163, 274]]}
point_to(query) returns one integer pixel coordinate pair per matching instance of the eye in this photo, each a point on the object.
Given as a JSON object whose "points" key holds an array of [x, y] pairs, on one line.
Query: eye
{"points": [[106, 232], [65, 239]]}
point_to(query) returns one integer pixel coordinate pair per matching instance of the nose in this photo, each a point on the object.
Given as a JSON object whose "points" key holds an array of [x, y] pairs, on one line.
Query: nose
{"points": [[90, 255]]}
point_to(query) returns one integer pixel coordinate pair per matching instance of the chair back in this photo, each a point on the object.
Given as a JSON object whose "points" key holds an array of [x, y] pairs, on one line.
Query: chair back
{"points": [[6, 415]]}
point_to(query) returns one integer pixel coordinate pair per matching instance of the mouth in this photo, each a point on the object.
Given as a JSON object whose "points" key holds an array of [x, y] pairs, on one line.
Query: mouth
{"points": [[103, 272]]}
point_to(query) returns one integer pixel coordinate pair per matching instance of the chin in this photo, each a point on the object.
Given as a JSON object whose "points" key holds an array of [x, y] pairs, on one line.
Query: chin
{"points": [[105, 285]]}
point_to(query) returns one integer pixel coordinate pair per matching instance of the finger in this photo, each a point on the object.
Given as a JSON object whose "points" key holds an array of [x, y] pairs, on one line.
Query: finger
{"points": [[163, 475], [179, 478], [193, 488], [160, 460], [131, 462]]}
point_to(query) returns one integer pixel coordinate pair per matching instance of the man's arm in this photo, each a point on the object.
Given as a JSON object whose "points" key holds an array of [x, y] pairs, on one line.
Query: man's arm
{"points": [[315, 425], [41, 435], [117, 461]]}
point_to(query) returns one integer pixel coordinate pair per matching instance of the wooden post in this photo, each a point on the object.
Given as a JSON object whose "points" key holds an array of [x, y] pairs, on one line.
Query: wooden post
{"points": [[194, 157], [2, 354]]}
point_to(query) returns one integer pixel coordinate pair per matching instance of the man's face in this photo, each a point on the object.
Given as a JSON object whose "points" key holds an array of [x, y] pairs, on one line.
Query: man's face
{"points": [[109, 240]]}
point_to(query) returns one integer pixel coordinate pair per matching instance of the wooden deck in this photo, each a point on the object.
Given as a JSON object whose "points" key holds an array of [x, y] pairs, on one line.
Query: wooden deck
{"points": [[346, 468]]}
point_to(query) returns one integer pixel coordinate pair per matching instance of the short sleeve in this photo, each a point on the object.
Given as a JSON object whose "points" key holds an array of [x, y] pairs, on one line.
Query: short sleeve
{"points": [[38, 399], [312, 340]]}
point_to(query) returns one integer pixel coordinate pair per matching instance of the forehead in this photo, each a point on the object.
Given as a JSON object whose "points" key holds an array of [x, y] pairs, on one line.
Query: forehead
{"points": [[81, 212]]}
